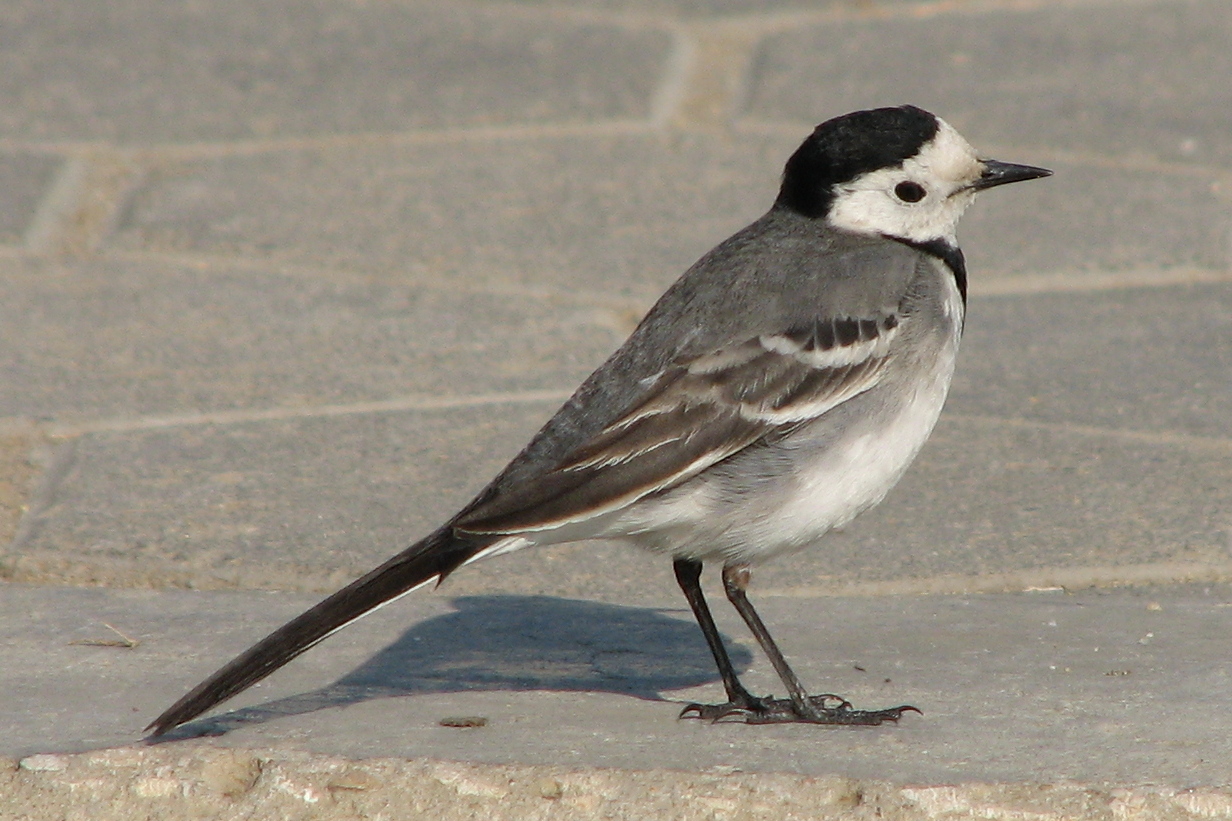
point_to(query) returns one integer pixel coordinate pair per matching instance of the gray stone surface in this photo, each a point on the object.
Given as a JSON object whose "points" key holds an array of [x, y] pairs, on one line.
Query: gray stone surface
{"points": [[18, 468], [293, 503], [307, 504], [281, 284], [553, 215], [1099, 219], [1115, 686], [585, 212], [23, 180], [745, 10], [124, 338], [1146, 359], [135, 72], [1093, 77], [989, 498]]}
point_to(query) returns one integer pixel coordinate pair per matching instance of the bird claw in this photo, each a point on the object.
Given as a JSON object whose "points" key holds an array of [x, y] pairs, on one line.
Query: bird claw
{"points": [[826, 708]]}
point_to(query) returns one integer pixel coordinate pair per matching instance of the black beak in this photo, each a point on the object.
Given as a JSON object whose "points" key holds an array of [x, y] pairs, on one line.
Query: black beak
{"points": [[999, 173]]}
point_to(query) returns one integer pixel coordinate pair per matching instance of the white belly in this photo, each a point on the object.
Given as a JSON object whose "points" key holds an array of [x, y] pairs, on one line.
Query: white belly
{"points": [[843, 482]]}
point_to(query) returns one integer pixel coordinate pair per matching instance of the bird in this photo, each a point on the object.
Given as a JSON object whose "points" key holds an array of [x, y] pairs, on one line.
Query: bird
{"points": [[779, 388]]}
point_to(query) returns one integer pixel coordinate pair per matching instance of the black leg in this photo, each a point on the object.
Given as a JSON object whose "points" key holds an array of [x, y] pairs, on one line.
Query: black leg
{"points": [[735, 583], [688, 575], [799, 706]]}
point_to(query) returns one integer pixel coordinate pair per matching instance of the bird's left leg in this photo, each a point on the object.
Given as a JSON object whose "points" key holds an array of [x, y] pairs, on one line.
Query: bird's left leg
{"points": [[799, 706], [739, 700]]}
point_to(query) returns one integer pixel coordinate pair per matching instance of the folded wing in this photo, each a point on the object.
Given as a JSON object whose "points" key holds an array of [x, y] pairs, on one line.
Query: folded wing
{"points": [[695, 414]]}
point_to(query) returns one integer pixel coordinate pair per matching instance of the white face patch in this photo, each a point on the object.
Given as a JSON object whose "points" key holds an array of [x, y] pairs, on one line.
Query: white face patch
{"points": [[874, 203]]}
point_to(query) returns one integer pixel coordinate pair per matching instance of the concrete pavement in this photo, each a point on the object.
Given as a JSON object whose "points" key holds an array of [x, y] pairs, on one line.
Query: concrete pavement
{"points": [[283, 283]]}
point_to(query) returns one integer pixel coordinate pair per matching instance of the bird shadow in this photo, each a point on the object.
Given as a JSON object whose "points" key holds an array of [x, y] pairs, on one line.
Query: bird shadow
{"points": [[512, 643]]}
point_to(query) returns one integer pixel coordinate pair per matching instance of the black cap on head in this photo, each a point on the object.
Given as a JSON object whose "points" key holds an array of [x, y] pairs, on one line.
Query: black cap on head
{"points": [[845, 147]]}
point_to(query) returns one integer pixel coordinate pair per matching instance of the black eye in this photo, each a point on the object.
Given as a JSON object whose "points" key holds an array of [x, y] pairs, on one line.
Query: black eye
{"points": [[910, 191]]}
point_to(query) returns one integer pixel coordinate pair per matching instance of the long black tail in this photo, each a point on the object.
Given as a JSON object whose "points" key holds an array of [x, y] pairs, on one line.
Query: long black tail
{"points": [[431, 559]]}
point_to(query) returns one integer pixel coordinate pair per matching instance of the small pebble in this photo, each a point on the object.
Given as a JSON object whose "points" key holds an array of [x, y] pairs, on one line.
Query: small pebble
{"points": [[464, 721]]}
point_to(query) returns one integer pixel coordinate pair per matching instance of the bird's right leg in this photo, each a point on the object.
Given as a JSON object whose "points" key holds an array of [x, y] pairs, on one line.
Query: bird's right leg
{"points": [[799, 706]]}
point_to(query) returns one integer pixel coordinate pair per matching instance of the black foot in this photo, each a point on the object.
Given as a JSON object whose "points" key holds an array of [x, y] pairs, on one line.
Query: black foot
{"points": [[826, 709]]}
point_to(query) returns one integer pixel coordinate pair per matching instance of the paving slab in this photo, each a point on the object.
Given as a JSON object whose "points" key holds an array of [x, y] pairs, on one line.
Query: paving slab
{"points": [[989, 499], [130, 72], [281, 285], [18, 471], [307, 504], [1104, 78], [1114, 686], [585, 212], [745, 10], [104, 339], [300, 502], [1102, 445], [1131, 359], [626, 214], [1093, 220], [24, 178]]}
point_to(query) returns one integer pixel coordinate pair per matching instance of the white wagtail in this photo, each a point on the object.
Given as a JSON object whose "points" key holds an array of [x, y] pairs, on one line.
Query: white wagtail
{"points": [[777, 390]]}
